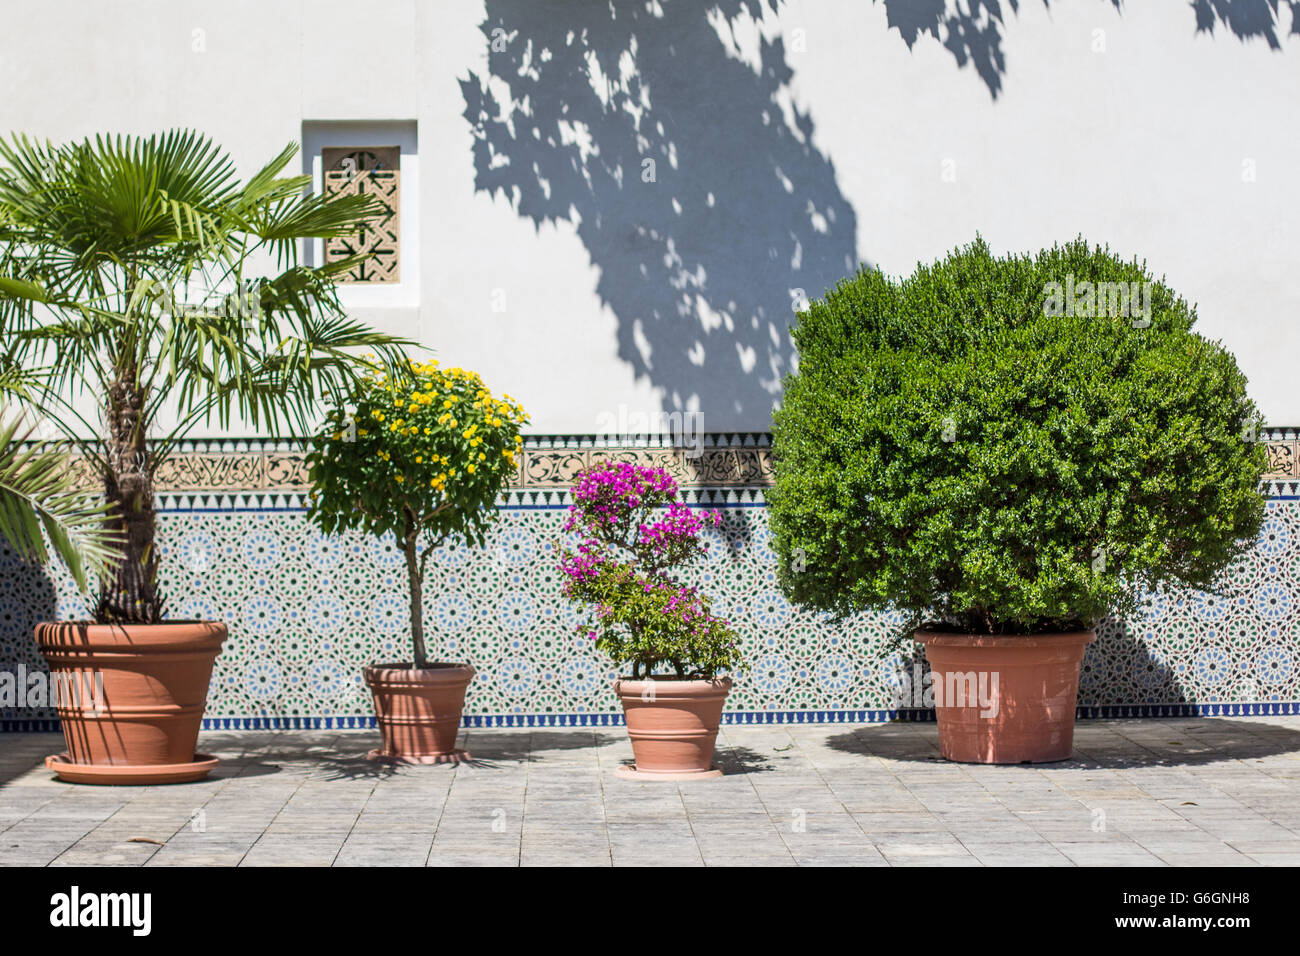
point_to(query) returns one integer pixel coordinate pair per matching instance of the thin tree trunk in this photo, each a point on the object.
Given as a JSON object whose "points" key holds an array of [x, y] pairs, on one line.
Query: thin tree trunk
{"points": [[415, 580], [131, 595]]}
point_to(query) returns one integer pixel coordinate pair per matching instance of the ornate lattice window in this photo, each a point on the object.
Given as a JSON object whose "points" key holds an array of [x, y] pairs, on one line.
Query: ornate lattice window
{"points": [[368, 170]]}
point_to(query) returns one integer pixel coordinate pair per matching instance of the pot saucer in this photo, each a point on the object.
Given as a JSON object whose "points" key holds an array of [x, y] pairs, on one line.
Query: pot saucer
{"points": [[137, 774], [628, 771], [452, 756]]}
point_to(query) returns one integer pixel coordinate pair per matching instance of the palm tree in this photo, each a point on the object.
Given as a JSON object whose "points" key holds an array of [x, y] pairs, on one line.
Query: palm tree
{"points": [[131, 281]]}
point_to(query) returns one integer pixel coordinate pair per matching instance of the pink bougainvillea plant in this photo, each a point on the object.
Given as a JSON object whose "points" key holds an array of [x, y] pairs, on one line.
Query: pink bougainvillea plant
{"points": [[633, 532]]}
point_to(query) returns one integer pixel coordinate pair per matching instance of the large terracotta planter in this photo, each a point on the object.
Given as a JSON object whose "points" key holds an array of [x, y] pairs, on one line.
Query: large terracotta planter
{"points": [[419, 711], [673, 725], [1025, 689], [155, 685]]}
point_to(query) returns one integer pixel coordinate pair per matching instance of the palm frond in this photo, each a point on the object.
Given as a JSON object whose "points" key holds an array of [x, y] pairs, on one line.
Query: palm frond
{"points": [[38, 494], [270, 365]]}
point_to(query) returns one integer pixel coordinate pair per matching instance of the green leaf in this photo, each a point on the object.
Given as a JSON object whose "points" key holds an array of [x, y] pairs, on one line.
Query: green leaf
{"points": [[20, 288]]}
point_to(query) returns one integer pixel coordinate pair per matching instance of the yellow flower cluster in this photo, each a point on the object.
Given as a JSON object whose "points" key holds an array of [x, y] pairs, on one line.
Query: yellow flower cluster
{"points": [[453, 409], [433, 441]]}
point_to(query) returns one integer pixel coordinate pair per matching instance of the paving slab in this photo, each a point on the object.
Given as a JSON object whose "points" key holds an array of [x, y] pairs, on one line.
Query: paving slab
{"points": [[1171, 792]]}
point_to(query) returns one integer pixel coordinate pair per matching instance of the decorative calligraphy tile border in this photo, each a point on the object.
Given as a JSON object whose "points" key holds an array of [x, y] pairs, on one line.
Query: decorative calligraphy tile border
{"points": [[551, 461]]}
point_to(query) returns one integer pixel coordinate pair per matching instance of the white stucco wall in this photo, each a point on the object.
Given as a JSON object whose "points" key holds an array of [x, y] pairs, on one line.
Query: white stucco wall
{"points": [[1176, 146]]}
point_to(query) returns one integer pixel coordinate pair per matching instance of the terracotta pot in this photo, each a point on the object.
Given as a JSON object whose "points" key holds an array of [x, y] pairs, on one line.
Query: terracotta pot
{"points": [[673, 725], [154, 687], [1005, 699], [419, 711]]}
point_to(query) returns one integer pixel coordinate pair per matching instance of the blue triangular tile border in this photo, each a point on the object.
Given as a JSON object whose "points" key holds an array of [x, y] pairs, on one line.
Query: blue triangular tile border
{"points": [[731, 718]]}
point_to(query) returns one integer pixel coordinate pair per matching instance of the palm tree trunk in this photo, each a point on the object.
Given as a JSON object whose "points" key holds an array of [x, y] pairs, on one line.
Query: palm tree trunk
{"points": [[131, 595]]}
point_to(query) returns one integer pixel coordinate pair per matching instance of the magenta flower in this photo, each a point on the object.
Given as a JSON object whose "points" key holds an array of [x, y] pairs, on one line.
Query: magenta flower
{"points": [[633, 530]]}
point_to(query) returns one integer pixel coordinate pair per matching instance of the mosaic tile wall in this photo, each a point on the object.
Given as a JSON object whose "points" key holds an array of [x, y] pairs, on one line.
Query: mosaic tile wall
{"points": [[306, 612]]}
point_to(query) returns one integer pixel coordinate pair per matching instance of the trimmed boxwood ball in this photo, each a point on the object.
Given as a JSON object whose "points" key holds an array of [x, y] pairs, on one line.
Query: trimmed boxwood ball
{"points": [[999, 446]]}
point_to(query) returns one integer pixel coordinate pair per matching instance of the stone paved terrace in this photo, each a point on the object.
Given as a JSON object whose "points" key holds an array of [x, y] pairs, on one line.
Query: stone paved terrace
{"points": [[1138, 792]]}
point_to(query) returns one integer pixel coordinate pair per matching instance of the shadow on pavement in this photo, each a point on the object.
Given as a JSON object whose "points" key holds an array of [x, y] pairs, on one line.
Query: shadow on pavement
{"points": [[1102, 745]]}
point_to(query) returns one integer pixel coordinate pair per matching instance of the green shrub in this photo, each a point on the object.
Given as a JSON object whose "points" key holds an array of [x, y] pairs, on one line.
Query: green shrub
{"points": [[965, 447]]}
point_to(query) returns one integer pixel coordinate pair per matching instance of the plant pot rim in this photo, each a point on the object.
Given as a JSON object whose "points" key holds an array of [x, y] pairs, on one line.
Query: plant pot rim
{"points": [[670, 679], [81, 639], [436, 673], [169, 622], [958, 639], [433, 667], [672, 683]]}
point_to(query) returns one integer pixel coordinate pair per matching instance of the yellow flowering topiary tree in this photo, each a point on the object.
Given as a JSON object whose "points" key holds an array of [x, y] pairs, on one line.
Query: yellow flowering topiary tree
{"points": [[424, 458]]}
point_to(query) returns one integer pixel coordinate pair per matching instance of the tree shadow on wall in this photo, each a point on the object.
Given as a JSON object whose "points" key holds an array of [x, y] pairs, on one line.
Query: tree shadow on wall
{"points": [[971, 30], [688, 173], [1125, 665]]}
